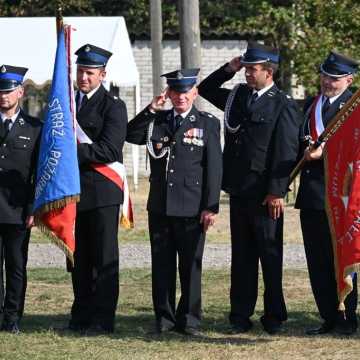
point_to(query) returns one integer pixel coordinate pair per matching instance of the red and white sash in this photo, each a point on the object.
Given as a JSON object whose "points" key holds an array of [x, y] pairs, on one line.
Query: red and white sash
{"points": [[115, 172], [316, 123]]}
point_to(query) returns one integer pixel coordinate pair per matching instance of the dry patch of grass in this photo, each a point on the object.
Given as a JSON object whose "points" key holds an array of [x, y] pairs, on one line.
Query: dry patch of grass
{"points": [[220, 233], [49, 299]]}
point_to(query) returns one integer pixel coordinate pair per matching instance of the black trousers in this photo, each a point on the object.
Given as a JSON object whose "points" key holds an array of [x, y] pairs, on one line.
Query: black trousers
{"points": [[255, 236], [95, 276], [320, 262], [171, 237], [14, 243]]}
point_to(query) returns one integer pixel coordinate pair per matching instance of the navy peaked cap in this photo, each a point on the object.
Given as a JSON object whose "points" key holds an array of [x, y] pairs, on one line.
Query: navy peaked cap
{"points": [[257, 53], [338, 65], [11, 77], [181, 80], [92, 56]]}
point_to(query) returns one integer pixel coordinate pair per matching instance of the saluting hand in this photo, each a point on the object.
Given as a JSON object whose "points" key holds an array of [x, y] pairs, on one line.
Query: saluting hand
{"points": [[235, 64], [158, 102], [207, 218], [275, 205]]}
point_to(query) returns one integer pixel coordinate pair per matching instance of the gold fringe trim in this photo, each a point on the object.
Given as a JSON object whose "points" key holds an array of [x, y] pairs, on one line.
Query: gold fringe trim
{"points": [[125, 222], [54, 239], [58, 204], [349, 284]]}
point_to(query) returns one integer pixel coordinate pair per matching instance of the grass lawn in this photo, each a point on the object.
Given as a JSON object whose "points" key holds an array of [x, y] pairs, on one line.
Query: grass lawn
{"points": [[220, 233], [48, 303]]}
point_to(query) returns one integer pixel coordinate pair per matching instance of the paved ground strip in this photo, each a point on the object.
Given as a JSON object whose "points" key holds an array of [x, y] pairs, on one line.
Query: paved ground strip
{"points": [[138, 256]]}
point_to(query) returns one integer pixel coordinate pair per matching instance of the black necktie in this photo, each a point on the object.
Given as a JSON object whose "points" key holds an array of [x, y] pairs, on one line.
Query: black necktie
{"points": [[7, 123], [253, 98], [84, 100], [325, 107], [177, 122]]}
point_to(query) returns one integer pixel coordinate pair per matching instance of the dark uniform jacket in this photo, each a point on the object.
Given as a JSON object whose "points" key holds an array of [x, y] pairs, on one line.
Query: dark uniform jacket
{"points": [[103, 118], [187, 179], [260, 155], [18, 157], [311, 193]]}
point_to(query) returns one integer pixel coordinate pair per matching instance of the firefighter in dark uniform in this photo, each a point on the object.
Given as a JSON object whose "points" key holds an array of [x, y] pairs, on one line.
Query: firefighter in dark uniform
{"points": [[96, 273], [261, 145], [186, 167], [19, 144], [336, 75]]}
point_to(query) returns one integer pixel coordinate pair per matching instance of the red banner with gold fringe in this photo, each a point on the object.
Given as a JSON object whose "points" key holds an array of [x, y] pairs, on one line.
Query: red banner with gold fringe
{"points": [[342, 179]]}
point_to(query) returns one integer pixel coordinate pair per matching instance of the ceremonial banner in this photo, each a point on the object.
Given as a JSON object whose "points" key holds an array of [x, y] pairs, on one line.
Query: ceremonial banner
{"points": [[342, 179], [57, 180]]}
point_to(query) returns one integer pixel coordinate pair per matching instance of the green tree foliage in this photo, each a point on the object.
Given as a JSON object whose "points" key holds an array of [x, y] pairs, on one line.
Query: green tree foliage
{"points": [[304, 30]]}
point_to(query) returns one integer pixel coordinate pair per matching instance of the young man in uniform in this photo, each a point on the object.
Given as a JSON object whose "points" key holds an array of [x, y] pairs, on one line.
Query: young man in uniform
{"points": [[103, 119], [261, 145], [19, 144]]}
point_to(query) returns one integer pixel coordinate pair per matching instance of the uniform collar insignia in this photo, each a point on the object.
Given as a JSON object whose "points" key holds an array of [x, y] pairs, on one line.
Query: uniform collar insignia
{"points": [[192, 118], [21, 122], [3, 69]]}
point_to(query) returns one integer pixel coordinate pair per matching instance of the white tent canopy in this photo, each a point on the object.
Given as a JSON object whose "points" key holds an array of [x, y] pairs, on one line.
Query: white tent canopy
{"points": [[31, 43]]}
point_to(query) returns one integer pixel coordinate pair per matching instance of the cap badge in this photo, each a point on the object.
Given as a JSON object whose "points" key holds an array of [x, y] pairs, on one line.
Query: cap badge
{"points": [[87, 48], [332, 57], [179, 75], [3, 69]]}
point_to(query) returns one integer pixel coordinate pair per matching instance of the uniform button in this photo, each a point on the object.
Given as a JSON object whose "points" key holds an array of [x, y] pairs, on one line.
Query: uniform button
{"points": [[24, 145], [173, 142], [171, 184], [4, 145], [171, 170], [307, 171], [173, 156], [3, 156], [242, 130], [1, 169], [191, 149]]}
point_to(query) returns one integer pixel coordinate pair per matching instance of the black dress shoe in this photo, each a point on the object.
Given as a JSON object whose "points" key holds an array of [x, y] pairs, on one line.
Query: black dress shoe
{"points": [[346, 327], [191, 331], [241, 327], [78, 326], [271, 324], [11, 327], [163, 328], [99, 329], [325, 328]]}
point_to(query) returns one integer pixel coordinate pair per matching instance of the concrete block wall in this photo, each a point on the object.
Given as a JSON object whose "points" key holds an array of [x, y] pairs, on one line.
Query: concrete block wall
{"points": [[214, 54]]}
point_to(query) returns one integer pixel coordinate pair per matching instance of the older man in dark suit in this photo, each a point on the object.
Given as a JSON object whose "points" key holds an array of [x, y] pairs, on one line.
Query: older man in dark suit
{"points": [[185, 180], [336, 75], [261, 144], [19, 143], [103, 118]]}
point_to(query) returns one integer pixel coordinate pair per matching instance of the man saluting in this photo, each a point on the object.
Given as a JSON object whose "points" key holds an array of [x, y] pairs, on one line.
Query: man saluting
{"points": [[186, 167]]}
